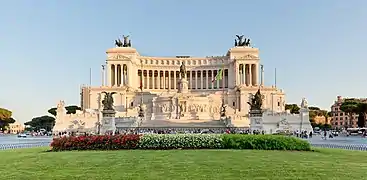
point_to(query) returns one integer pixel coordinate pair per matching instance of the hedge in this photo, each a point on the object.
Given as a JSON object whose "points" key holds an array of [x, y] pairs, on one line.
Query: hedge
{"points": [[180, 141]]}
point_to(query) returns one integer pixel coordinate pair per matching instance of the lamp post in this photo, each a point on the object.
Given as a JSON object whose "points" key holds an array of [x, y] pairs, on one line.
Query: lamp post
{"points": [[103, 74], [272, 103], [126, 106], [99, 113]]}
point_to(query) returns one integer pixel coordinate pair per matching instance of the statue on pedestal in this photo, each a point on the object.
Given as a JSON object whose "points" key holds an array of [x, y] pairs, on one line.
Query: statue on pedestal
{"points": [[256, 101], [141, 111], [240, 42], [304, 103], [223, 111], [183, 71], [125, 43], [108, 101], [183, 83]]}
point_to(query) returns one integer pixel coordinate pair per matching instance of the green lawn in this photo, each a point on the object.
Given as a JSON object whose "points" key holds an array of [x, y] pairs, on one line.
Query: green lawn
{"points": [[32, 164]]}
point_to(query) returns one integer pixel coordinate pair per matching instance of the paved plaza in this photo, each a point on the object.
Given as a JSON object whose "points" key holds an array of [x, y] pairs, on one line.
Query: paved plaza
{"points": [[13, 142], [339, 140]]}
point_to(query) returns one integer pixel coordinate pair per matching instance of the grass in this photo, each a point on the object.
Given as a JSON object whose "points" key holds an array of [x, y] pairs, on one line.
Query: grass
{"points": [[182, 164]]}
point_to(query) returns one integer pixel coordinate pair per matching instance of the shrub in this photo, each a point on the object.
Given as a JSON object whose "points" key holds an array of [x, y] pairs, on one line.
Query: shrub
{"points": [[103, 142], [264, 142], [183, 141], [180, 141]]}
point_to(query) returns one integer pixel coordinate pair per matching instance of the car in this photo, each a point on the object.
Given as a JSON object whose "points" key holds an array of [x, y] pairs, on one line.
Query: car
{"points": [[22, 135]]}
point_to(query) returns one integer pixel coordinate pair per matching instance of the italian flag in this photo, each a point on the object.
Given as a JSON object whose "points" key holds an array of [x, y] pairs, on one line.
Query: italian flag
{"points": [[218, 76]]}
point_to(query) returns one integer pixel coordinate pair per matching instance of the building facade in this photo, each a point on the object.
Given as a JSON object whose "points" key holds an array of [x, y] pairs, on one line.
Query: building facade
{"points": [[150, 80], [16, 128], [339, 118], [321, 120]]}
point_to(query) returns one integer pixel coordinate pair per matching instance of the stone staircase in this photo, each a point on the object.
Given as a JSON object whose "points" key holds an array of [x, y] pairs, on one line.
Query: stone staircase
{"points": [[183, 123], [238, 119]]}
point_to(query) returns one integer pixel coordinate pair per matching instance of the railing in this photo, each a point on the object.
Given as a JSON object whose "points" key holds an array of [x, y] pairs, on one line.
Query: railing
{"points": [[357, 147], [23, 145]]}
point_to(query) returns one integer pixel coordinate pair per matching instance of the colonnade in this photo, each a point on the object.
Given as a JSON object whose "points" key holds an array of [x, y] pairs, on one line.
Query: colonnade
{"points": [[168, 79], [247, 74], [119, 73]]}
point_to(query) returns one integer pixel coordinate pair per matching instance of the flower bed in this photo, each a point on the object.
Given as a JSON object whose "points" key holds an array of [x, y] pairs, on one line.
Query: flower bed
{"points": [[180, 141], [96, 142]]}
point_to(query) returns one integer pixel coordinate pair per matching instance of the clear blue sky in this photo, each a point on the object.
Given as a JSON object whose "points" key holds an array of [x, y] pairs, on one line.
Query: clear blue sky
{"points": [[47, 46]]}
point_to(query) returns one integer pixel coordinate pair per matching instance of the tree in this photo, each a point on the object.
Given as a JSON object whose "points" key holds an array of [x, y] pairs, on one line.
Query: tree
{"points": [[349, 106], [312, 108], [5, 118], [5, 114], [293, 108], [42, 122], [69, 110], [361, 110]]}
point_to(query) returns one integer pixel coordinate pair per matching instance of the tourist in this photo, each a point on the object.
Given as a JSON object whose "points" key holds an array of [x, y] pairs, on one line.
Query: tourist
{"points": [[325, 134]]}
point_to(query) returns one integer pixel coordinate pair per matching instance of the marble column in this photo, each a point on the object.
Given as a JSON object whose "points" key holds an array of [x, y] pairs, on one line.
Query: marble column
{"points": [[201, 79], [159, 80], [196, 79], [250, 74], [169, 80], [191, 84], [256, 75], [175, 79], [212, 83], [207, 79], [224, 78], [217, 81], [164, 79], [142, 79], [153, 79], [122, 81], [116, 74], [243, 74]]}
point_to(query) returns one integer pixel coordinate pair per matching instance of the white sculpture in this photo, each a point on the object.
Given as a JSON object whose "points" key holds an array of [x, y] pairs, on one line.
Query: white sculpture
{"points": [[61, 105], [304, 103]]}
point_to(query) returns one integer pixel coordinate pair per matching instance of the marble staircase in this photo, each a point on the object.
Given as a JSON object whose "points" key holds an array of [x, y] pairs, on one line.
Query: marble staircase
{"points": [[183, 123]]}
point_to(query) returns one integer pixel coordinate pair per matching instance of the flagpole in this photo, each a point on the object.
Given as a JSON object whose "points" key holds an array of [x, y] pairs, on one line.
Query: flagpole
{"points": [[90, 77], [275, 78], [141, 81], [222, 82]]}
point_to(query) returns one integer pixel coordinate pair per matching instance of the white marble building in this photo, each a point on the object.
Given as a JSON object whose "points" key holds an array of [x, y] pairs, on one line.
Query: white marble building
{"points": [[125, 70]]}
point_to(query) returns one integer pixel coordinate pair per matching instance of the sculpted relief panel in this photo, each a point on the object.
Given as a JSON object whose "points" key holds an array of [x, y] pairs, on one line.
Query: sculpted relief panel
{"points": [[186, 106], [118, 57]]}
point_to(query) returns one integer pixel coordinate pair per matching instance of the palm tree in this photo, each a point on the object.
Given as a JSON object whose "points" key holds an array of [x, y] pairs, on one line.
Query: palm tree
{"points": [[350, 107]]}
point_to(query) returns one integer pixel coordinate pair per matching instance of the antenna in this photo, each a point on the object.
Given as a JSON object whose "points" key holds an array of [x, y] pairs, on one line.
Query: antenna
{"points": [[275, 77]]}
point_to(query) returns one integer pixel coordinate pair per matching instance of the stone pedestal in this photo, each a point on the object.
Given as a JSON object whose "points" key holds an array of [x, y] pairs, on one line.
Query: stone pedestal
{"points": [[108, 113], [305, 124], [256, 120], [108, 121], [184, 86]]}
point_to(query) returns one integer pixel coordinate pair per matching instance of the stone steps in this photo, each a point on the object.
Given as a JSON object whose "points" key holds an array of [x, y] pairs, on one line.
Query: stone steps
{"points": [[241, 123], [182, 123]]}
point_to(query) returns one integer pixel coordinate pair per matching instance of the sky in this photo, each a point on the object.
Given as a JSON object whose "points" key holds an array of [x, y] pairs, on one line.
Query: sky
{"points": [[48, 46]]}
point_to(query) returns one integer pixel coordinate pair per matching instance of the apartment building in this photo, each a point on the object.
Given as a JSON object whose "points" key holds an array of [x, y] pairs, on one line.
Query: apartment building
{"points": [[339, 118]]}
